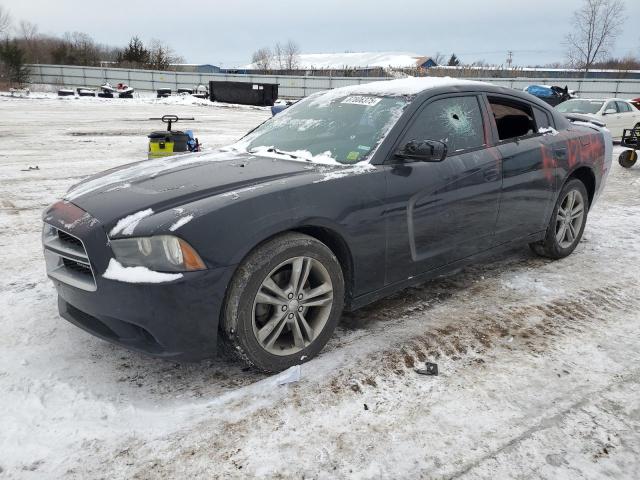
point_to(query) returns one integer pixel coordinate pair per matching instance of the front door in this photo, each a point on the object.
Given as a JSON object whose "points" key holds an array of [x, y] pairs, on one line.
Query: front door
{"points": [[440, 212]]}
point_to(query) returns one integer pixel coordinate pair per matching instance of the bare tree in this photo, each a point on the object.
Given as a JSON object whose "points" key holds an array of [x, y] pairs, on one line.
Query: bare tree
{"points": [[279, 56], [291, 55], [161, 56], [5, 22], [262, 58], [438, 58], [596, 25], [28, 30]]}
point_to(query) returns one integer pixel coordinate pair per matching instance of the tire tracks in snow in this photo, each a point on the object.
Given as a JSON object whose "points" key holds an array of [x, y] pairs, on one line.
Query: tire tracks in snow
{"points": [[471, 339]]}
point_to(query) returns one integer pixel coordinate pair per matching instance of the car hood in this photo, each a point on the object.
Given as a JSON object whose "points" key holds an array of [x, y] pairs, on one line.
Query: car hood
{"points": [[169, 182]]}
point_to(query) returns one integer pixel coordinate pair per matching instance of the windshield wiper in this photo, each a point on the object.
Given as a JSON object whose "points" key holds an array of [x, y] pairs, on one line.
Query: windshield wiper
{"points": [[280, 152]]}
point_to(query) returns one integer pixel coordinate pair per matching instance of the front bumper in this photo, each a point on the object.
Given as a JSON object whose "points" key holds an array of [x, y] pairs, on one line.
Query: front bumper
{"points": [[177, 319]]}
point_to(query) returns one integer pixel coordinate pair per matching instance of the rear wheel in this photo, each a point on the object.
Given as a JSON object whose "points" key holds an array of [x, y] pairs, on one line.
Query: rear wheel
{"points": [[283, 302], [567, 222], [627, 159]]}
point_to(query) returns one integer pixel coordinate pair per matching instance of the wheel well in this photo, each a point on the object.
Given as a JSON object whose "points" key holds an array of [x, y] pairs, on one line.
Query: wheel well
{"points": [[340, 249], [586, 176]]}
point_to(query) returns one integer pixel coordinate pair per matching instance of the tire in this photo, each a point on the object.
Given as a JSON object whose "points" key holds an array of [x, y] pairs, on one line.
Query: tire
{"points": [[627, 159], [562, 236], [267, 321]]}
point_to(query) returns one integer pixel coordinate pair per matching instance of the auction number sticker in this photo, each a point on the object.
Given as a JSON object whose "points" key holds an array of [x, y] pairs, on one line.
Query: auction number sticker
{"points": [[362, 100]]}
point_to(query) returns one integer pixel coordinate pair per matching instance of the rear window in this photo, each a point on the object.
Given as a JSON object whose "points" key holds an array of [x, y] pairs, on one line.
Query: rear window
{"points": [[623, 107], [513, 119]]}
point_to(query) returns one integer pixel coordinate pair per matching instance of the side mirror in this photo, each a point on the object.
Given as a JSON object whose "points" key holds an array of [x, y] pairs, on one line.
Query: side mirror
{"points": [[610, 111], [424, 150]]}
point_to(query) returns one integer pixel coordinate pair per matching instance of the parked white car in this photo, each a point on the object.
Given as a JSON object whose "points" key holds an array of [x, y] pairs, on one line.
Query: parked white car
{"points": [[616, 113]]}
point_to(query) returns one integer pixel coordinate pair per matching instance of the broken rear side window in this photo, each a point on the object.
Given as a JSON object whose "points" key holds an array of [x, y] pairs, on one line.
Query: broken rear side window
{"points": [[513, 119]]}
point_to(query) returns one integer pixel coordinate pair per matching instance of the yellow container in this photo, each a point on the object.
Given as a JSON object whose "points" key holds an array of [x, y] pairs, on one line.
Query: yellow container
{"points": [[160, 147]]}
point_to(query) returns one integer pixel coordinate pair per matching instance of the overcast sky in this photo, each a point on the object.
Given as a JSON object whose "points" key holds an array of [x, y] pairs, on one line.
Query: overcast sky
{"points": [[227, 32]]}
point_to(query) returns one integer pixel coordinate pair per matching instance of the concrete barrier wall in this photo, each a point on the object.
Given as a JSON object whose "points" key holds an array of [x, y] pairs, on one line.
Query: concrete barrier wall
{"points": [[290, 86]]}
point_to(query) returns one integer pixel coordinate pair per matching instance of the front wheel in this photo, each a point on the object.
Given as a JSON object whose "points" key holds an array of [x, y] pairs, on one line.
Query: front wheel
{"points": [[567, 222], [284, 302]]}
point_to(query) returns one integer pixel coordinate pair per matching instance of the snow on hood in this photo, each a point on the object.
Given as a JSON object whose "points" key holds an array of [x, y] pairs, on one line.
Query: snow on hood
{"points": [[127, 225], [144, 169]]}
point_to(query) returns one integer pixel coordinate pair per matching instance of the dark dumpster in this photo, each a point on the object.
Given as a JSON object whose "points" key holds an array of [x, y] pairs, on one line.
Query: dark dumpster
{"points": [[245, 93]]}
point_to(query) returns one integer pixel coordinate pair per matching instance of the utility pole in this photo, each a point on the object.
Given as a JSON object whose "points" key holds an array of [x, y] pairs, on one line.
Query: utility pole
{"points": [[509, 58]]}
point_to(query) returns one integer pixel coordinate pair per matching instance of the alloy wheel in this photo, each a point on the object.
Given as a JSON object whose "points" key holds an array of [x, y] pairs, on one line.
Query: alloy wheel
{"points": [[569, 218], [292, 306]]}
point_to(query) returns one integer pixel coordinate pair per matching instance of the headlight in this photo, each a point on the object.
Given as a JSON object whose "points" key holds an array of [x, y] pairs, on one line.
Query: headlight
{"points": [[163, 253]]}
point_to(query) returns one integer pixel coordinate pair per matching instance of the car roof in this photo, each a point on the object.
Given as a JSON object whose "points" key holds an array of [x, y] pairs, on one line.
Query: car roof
{"points": [[422, 87], [609, 99]]}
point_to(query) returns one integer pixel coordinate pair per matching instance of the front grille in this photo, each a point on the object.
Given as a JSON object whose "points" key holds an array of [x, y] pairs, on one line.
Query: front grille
{"points": [[76, 266], [67, 259], [69, 239]]}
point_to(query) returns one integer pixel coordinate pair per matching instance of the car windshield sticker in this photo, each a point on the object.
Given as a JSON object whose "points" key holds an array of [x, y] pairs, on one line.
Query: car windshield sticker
{"points": [[353, 156], [361, 100], [458, 120], [364, 148]]}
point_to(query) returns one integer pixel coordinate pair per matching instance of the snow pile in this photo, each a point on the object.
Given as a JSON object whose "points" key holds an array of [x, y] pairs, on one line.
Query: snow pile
{"points": [[355, 60], [127, 225], [548, 131], [116, 271], [358, 169]]}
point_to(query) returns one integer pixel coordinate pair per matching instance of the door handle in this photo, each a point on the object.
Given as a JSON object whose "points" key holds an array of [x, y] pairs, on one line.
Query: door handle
{"points": [[491, 175], [560, 154]]}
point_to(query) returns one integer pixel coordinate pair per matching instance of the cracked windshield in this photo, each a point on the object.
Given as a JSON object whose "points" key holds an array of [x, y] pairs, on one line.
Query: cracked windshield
{"points": [[346, 129]]}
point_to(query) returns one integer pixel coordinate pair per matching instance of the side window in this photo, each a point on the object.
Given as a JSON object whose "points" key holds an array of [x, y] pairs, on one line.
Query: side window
{"points": [[623, 107], [542, 118], [456, 121], [513, 119], [611, 106]]}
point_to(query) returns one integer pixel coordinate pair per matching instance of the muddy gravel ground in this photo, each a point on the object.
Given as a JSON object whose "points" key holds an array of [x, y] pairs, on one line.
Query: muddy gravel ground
{"points": [[539, 361]]}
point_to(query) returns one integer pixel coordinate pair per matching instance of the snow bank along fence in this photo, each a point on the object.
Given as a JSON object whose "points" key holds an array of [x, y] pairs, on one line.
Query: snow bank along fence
{"points": [[290, 86]]}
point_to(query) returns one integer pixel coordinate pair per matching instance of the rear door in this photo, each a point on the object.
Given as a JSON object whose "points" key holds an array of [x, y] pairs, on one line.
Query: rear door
{"points": [[440, 212], [629, 115], [613, 119], [527, 148]]}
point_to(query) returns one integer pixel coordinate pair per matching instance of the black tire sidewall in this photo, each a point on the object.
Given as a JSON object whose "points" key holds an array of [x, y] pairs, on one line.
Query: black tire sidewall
{"points": [[627, 159], [245, 285]]}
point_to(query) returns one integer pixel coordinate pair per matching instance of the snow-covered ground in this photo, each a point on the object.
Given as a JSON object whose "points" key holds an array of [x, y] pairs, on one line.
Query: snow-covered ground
{"points": [[539, 361]]}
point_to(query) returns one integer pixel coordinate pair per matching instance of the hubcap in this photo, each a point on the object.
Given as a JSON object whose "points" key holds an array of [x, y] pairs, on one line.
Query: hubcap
{"points": [[569, 219], [292, 306]]}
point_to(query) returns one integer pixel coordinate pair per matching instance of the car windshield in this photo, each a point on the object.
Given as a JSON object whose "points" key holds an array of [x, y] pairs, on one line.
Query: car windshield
{"points": [[327, 128], [580, 106]]}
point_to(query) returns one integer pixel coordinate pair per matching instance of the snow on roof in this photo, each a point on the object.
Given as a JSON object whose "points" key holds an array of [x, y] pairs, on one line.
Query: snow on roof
{"points": [[356, 60], [403, 86]]}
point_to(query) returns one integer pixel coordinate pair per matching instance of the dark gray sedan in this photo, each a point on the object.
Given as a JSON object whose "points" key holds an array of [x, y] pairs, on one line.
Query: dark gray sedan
{"points": [[343, 198]]}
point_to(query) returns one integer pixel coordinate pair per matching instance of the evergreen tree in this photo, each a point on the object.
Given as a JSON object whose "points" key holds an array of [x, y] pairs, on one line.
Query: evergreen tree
{"points": [[12, 60], [135, 53]]}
